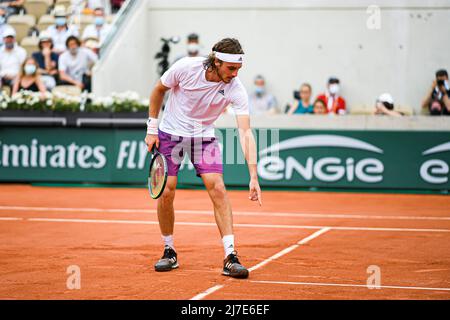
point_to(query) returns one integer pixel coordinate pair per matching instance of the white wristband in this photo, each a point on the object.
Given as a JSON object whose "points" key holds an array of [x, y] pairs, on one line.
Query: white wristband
{"points": [[152, 126]]}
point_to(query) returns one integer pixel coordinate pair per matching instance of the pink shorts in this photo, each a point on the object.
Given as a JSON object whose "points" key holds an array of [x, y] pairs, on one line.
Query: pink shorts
{"points": [[204, 153]]}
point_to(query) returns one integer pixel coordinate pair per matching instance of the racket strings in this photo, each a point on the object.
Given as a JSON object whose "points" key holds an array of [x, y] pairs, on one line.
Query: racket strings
{"points": [[157, 174]]}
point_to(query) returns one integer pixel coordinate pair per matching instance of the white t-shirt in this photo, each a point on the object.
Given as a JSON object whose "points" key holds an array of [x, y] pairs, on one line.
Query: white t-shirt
{"points": [[76, 66], [11, 61], [91, 31], [195, 103], [59, 37], [261, 104]]}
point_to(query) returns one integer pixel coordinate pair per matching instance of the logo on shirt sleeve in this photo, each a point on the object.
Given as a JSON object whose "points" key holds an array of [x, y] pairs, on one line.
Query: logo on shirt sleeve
{"points": [[222, 92]]}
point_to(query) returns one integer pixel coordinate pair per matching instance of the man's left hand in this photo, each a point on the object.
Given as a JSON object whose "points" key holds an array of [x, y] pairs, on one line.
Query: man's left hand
{"points": [[255, 191]]}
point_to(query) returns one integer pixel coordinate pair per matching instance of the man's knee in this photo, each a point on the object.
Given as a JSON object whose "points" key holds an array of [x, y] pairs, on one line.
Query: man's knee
{"points": [[217, 190], [169, 191]]}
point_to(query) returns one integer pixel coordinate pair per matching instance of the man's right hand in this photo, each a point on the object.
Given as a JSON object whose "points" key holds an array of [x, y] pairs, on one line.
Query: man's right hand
{"points": [[150, 140], [433, 85]]}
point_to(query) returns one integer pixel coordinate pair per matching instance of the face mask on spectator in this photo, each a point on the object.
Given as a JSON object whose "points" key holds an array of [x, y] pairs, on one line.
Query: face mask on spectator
{"points": [[193, 47], [9, 45], [99, 21], [2, 19], [259, 90], [60, 21], [334, 88], [73, 51], [30, 69]]}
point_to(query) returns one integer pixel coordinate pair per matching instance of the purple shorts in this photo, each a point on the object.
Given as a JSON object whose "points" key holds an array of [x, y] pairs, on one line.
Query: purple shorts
{"points": [[204, 153]]}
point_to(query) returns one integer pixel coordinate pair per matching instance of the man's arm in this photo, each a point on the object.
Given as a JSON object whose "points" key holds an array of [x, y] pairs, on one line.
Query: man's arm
{"points": [[156, 99], [65, 77], [392, 113], [248, 145], [383, 110], [446, 101]]}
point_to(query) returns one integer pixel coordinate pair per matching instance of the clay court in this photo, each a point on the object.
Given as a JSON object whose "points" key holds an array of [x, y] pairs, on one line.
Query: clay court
{"points": [[298, 245]]}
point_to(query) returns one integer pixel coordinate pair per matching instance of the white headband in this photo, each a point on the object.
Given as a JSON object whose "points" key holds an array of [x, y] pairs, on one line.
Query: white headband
{"points": [[228, 57]]}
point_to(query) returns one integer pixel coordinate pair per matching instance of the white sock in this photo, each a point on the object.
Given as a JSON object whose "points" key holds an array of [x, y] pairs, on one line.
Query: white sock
{"points": [[228, 244], [168, 241]]}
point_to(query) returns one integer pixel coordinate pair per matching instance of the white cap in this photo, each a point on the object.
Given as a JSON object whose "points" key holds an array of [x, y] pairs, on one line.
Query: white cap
{"points": [[386, 97], [45, 35], [9, 32], [60, 11]]}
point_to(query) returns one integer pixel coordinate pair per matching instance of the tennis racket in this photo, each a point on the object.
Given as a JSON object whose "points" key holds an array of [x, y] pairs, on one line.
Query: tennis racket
{"points": [[157, 175]]}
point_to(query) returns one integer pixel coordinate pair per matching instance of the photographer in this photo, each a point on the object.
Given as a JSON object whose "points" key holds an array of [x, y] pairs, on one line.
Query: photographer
{"points": [[163, 55], [437, 101]]}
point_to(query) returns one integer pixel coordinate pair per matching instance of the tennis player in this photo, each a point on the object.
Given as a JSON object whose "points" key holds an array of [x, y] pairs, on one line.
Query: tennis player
{"points": [[200, 89]]}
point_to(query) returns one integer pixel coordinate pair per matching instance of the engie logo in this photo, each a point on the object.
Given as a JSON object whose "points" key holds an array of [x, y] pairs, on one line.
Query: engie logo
{"points": [[435, 171], [328, 169]]}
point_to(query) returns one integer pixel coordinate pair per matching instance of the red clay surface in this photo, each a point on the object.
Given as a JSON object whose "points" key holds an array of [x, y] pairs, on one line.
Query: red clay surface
{"points": [[112, 235]]}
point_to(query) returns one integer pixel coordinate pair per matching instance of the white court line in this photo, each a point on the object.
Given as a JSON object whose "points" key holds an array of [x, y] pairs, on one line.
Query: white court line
{"points": [[289, 249], [242, 225], [348, 285], [200, 296], [238, 213], [9, 219], [266, 261]]}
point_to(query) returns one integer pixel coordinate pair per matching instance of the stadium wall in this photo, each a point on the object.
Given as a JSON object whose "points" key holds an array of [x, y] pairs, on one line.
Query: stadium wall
{"points": [[378, 154], [291, 42]]}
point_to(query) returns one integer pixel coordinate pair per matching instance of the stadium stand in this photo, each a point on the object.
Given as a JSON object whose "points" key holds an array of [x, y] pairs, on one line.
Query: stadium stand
{"points": [[22, 24], [37, 7], [30, 44], [82, 22], [45, 21]]}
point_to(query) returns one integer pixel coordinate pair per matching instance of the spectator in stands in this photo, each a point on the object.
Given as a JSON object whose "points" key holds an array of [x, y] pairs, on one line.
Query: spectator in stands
{"points": [[11, 58], [12, 6], [92, 44], [303, 104], [99, 29], [47, 60], [116, 4], [75, 65], [193, 47], [61, 30], [88, 6], [334, 102], [319, 107], [437, 100], [261, 101], [104, 4], [3, 24], [29, 79], [385, 106]]}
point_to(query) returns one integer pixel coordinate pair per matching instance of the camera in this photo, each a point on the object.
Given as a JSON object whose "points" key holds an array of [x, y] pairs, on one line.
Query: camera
{"points": [[440, 83], [297, 95], [163, 65]]}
